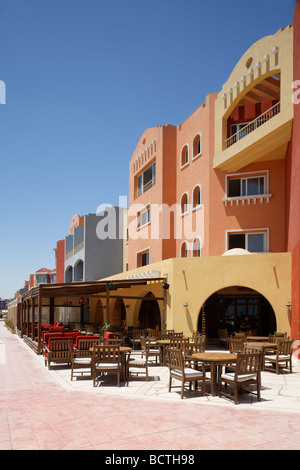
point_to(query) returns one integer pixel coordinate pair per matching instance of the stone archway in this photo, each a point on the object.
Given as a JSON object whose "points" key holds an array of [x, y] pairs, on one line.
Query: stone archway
{"points": [[236, 308], [149, 313]]}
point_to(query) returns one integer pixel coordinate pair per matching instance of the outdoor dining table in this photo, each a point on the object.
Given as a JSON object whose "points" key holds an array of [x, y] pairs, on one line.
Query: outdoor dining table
{"points": [[214, 359], [257, 338]]}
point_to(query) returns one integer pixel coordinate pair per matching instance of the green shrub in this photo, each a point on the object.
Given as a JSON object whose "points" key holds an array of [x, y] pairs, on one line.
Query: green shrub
{"points": [[9, 324]]}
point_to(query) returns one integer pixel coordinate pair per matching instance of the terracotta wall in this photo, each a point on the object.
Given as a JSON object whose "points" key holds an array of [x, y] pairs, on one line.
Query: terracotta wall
{"points": [[293, 188]]}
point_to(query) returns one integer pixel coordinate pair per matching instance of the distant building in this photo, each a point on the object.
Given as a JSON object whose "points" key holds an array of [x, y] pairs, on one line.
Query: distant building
{"points": [[88, 255]]}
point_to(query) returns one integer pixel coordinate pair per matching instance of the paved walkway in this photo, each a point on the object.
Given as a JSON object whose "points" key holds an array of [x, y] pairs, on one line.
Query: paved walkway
{"points": [[41, 409]]}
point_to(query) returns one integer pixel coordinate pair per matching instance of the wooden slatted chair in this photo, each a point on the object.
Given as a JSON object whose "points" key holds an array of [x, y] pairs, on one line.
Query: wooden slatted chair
{"points": [[178, 371], [223, 337], [282, 355], [59, 350], [148, 351], [236, 345], [82, 354], [136, 337], [105, 360], [247, 371]]}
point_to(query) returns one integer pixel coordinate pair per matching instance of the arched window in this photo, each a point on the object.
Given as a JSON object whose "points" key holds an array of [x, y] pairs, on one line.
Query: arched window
{"points": [[184, 155], [197, 145], [69, 274], [197, 196], [196, 247], [184, 250], [184, 204]]}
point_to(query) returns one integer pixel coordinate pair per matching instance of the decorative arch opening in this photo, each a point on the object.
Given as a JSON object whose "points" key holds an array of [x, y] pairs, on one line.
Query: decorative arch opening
{"points": [[197, 145], [69, 274], [184, 250], [236, 308], [119, 313], [184, 158], [196, 247], [197, 196], [78, 271], [99, 317], [149, 313], [257, 106], [184, 203]]}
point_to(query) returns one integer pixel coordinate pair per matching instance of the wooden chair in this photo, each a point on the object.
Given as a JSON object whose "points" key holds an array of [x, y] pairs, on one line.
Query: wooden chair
{"points": [[240, 335], [191, 348], [178, 371], [59, 350], [149, 352], [176, 335], [247, 371], [136, 337], [82, 354], [178, 343], [136, 362], [282, 355], [223, 336], [236, 345], [115, 341], [106, 359]]}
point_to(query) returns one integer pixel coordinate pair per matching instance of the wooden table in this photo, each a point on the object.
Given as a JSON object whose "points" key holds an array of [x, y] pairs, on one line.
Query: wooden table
{"points": [[257, 338], [214, 359]]}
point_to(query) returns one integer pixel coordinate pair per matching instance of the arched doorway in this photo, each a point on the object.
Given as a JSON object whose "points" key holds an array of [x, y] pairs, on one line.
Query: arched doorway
{"points": [[237, 308], [149, 314], [99, 312], [119, 313]]}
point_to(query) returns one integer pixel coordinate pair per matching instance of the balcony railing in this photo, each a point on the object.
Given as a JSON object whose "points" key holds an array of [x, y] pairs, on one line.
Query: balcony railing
{"points": [[253, 125], [145, 188]]}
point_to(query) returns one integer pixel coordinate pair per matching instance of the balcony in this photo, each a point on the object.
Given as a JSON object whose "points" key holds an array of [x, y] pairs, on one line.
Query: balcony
{"points": [[253, 125], [254, 109]]}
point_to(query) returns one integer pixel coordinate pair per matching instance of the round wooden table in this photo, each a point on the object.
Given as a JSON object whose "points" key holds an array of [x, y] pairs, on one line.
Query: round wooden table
{"points": [[257, 338], [214, 359]]}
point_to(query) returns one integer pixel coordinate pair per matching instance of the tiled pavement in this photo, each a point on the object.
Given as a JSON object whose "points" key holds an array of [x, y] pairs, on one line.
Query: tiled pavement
{"points": [[41, 409]]}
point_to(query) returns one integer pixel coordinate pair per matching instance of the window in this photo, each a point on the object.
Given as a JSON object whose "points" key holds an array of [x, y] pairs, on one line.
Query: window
{"points": [[184, 250], [146, 180], [196, 196], [143, 217], [255, 242], [143, 258], [184, 155], [250, 186], [184, 204], [197, 145], [196, 247]]}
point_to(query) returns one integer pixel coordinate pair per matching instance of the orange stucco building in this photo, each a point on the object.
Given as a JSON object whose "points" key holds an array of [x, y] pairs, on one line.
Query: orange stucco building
{"points": [[222, 182]]}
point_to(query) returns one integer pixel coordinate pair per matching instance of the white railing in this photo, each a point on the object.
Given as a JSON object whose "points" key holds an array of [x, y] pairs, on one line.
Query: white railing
{"points": [[145, 188], [253, 125]]}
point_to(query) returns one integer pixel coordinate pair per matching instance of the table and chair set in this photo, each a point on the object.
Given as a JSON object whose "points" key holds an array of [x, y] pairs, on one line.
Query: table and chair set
{"points": [[187, 359]]}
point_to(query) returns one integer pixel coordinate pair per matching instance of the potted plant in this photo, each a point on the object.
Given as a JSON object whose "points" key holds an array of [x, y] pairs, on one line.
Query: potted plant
{"points": [[106, 327], [107, 330]]}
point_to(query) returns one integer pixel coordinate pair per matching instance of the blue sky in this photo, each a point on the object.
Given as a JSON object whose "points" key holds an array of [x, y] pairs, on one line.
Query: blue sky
{"points": [[84, 79]]}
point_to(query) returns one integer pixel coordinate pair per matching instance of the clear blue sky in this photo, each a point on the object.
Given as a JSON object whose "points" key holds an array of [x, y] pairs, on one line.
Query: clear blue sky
{"points": [[84, 79]]}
